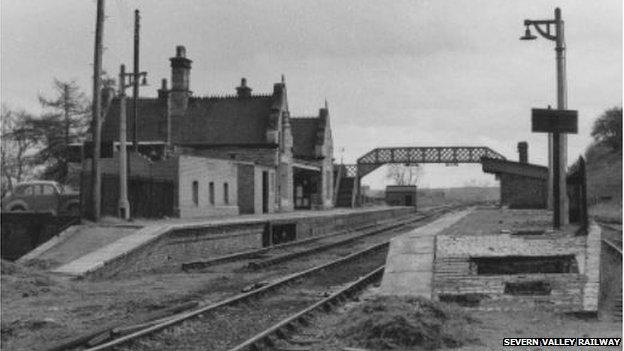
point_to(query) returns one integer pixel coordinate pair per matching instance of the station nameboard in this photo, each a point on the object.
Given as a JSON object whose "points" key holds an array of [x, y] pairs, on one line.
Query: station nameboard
{"points": [[554, 121]]}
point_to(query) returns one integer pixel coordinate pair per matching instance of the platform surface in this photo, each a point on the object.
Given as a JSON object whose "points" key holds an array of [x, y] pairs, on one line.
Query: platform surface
{"points": [[409, 266]]}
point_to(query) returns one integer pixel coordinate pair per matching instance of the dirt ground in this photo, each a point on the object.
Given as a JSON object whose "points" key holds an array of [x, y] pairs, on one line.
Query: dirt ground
{"points": [[40, 309], [487, 329]]}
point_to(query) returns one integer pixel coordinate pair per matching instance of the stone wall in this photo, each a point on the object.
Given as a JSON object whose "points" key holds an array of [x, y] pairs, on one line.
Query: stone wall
{"points": [[262, 156], [176, 246], [314, 226], [205, 171], [187, 243], [523, 192]]}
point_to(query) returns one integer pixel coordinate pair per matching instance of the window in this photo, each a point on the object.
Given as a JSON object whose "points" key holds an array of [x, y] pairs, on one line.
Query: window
{"points": [[48, 190], [196, 193], [226, 194], [23, 190], [328, 180], [211, 193]]}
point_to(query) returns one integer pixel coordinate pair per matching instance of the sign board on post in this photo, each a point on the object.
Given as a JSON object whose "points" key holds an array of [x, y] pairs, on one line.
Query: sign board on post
{"points": [[554, 121]]}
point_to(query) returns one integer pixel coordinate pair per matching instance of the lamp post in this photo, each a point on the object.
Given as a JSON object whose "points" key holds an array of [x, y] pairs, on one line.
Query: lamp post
{"points": [[557, 142], [124, 204]]}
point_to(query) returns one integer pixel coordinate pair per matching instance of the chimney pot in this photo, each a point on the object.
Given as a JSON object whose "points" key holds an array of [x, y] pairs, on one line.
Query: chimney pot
{"points": [[523, 152], [180, 82], [162, 92], [180, 51], [243, 90]]}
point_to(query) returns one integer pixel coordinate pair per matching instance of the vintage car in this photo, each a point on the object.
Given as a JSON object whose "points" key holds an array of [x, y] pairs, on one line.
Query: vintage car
{"points": [[42, 196]]}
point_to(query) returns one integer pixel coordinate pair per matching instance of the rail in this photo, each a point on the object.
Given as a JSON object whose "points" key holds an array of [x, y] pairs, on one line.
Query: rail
{"points": [[264, 337], [236, 299]]}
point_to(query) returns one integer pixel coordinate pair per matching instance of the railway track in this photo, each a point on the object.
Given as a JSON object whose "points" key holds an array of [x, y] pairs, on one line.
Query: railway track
{"points": [[612, 239], [224, 324], [280, 333], [280, 299]]}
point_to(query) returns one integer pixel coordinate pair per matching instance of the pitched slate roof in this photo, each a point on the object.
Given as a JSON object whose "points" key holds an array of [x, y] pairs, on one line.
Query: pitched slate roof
{"points": [[224, 121], [151, 124], [304, 131], [492, 165], [212, 120]]}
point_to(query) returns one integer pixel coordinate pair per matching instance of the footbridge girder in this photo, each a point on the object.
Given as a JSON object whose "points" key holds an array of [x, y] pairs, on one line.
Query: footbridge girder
{"points": [[423, 154], [414, 155]]}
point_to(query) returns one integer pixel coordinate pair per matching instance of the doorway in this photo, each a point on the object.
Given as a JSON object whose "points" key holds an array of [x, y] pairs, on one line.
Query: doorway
{"points": [[265, 192]]}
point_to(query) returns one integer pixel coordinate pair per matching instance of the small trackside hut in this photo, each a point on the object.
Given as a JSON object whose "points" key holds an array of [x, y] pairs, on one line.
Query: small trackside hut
{"points": [[522, 185], [401, 195]]}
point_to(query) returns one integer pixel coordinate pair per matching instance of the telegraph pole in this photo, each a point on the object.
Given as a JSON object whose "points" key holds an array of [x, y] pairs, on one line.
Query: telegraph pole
{"points": [[135, 86], [96, 177]]}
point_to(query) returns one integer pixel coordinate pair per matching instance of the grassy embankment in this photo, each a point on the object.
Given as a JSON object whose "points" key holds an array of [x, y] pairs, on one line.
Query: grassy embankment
{"points": [[604, 183]]}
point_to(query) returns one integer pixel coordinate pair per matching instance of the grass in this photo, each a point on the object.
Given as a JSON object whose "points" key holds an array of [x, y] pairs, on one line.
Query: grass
{"points": [[604, 183]]}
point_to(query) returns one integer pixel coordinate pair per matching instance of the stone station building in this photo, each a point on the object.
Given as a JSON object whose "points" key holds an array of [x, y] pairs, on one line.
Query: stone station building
{"points": [[279, 163]]}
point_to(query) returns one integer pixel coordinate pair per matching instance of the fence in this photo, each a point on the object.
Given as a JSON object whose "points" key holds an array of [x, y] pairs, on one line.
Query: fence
{"points": [[577, 192], [24, 231], [148, 197]]}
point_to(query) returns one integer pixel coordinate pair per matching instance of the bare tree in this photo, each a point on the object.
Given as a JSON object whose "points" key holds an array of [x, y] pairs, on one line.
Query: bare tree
{"points": [[19, 145], [405, 174]]}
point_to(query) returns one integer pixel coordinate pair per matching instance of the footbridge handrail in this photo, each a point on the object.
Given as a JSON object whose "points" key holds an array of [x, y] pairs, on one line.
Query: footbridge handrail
{"points": [[420, 154]]}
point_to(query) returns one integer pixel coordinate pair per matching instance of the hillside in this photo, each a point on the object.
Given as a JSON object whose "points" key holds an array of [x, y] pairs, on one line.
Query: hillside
{"points": [[604, 182]]}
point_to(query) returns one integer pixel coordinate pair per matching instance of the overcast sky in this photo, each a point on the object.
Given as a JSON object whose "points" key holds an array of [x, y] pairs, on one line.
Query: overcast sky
{"points": [[395, 73]]}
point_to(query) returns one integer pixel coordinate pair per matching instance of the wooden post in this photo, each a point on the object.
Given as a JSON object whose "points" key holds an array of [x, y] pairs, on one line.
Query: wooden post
{"points": [[96, 177]]}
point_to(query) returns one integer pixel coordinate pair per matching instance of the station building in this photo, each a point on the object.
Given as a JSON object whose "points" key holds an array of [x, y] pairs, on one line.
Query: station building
{"points": [[401, 195], [274, 162], [522, 185]]}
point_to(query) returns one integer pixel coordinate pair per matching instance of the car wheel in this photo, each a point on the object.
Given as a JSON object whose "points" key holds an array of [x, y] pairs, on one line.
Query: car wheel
{"points": [[18, 208]]}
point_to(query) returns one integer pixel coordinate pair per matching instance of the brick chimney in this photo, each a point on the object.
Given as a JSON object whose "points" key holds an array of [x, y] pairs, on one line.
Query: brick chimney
{"points": [[162, 92], [180, 75], [523, 152], [243, 91]]}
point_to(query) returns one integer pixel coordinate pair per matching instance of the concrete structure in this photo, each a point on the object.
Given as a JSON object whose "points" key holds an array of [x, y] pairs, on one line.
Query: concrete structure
{"points": [[409, 266], [518, 270], [289, 153], [401, 195], [522, 185], [468, 258]]}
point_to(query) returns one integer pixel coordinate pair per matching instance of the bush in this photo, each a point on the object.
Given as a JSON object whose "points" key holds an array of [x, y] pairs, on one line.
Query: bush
{"points": [[607, 129]]}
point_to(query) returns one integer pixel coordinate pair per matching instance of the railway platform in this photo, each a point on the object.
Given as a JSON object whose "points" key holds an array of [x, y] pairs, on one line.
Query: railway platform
{"points": [[115, 247]]}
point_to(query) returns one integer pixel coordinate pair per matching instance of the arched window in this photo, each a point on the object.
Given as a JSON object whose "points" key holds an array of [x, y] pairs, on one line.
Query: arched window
{"points": [[195, 193]]}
